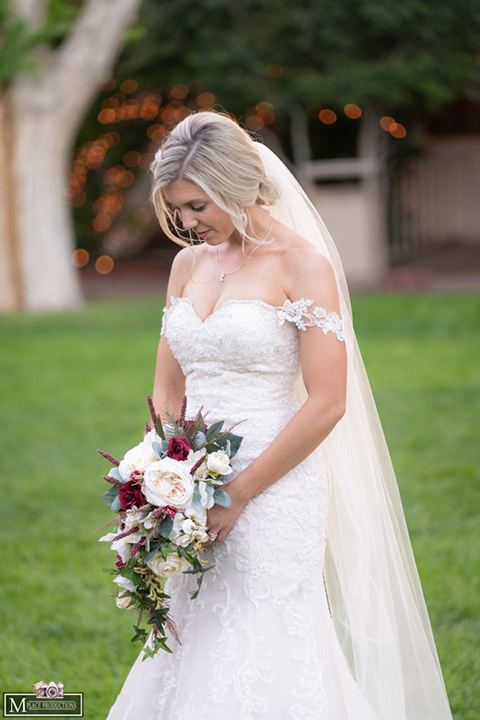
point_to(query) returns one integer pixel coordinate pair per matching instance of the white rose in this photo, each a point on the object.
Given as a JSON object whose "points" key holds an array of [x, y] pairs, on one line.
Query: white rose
{"points": [[124, 583], [123, 601], [219, 463], [139, 457], [168, 482], [173, 565]]}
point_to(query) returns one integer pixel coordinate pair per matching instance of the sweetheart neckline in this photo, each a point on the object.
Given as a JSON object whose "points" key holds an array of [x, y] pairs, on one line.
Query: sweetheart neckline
{"points": [[254, 301]]}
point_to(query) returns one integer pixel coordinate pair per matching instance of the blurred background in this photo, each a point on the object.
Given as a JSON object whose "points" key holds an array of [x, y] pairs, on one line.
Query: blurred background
{"points": [[375, 106]]}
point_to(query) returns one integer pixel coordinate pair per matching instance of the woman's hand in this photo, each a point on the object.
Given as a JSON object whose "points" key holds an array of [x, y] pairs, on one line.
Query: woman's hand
{"points": [[220, 519]]}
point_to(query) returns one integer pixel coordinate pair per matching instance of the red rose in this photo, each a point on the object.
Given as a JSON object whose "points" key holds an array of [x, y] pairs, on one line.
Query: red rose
{"points": [[169, 510], [130, 494], [178, 448]]}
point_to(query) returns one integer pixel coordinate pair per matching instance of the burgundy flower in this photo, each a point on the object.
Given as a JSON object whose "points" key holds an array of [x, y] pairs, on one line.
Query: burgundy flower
{"points": [[136, 476], [130, 494], [178, 448], [169, 510], [119, 564]]}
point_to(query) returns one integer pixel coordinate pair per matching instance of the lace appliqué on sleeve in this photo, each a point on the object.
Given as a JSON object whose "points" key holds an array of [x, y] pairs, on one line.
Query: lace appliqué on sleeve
{"points": [[298, 313]]}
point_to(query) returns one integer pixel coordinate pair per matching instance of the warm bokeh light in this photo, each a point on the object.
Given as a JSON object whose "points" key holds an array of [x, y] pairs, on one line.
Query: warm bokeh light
{"points": [[80, 258], [107, 116], [156, 132], [254, 122], [328, 117], [129, 86], [206, 99], [274, 70], [397, 130], [352, 111], [104, 264], [264, 110], [385, 123], [179, 92], [101, 222], [132, 158]]}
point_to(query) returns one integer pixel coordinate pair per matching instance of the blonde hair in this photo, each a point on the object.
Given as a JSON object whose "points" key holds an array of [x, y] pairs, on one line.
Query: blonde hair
{"points": [[211, 150]]}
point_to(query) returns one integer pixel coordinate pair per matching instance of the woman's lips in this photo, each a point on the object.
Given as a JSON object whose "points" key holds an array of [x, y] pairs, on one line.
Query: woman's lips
{"points": [[202, 235]]}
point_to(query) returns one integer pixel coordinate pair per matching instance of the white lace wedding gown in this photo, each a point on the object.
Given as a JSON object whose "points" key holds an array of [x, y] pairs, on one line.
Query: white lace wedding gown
{"points": [[258, 642]]}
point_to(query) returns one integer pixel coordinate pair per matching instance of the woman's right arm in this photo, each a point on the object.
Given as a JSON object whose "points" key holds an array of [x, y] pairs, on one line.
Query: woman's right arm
{"points": [[169, 384]]}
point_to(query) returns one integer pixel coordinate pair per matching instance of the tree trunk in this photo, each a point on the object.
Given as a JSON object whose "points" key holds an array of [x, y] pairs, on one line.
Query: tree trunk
{"points": [[39, 118]]}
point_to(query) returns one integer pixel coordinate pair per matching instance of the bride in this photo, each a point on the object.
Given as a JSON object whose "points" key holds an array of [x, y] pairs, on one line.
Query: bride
{"points": [[313, 609]]}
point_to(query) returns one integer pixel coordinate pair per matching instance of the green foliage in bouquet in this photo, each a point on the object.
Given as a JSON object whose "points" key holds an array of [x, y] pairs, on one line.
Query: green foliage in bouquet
{"points": [[161, 491]]}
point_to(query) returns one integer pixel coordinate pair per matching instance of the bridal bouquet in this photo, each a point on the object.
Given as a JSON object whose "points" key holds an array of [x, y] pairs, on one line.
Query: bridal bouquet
{"points": [[161, 492]]}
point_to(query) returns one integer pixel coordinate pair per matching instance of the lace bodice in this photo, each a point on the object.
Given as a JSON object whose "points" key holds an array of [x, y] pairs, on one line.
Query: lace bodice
{"points": [[243, 360]]}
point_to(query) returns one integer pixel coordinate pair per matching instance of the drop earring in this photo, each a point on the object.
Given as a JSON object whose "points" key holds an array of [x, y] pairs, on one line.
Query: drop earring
{"points": [[243, 217]]}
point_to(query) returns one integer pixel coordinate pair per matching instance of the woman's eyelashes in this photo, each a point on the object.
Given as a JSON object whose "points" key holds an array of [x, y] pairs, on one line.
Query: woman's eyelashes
{"points": [[198, 209]]}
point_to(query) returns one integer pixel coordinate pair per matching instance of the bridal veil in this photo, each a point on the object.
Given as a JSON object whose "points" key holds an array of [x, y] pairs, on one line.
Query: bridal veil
{"points": [[373, 588]]}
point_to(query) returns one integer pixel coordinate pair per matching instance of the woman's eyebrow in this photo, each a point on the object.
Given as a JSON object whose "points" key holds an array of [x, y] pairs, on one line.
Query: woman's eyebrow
{"points": [[189, 202]]}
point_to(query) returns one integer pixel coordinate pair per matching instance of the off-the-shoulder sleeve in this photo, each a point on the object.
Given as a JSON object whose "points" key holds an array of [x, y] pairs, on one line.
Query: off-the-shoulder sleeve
{"points": [[299, 312]]}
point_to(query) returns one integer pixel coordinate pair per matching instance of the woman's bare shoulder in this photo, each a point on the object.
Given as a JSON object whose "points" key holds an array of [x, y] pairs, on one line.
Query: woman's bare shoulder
{"points": [[303, 265], [180, 271]]}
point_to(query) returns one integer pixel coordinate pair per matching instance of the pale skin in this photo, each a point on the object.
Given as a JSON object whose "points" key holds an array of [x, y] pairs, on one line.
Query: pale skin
{"points": [[289, 267]]}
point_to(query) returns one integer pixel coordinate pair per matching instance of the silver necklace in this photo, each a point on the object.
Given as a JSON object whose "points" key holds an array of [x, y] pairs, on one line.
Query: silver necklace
{"points": [[223, 273]]}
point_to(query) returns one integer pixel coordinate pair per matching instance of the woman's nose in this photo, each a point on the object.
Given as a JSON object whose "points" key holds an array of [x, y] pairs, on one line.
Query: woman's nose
{"points": [[189, 221]]}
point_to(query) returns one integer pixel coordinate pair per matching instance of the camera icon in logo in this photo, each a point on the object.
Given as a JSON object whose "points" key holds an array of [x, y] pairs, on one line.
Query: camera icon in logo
{"points": [[52, 691]]}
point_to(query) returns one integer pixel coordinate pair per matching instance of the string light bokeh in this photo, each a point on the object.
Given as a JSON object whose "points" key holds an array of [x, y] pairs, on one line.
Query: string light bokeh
{"points": [[125, 104]]}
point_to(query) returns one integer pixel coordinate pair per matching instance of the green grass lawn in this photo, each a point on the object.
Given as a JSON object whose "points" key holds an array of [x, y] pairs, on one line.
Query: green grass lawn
{"points": [[73, 382]]}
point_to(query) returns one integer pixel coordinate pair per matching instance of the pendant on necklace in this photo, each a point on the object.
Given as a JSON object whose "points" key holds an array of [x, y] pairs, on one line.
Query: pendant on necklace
{"points": [[222, 276]]}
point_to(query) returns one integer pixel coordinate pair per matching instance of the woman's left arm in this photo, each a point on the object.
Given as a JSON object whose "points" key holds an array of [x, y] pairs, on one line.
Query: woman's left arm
{"points": [[324, 370]]}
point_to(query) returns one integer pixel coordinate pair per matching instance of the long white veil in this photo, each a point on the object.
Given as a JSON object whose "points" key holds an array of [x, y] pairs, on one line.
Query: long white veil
{"points": [[373, 588]]}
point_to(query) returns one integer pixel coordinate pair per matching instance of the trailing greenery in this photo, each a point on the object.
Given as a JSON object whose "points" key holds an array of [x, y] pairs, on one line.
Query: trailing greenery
{"points": [[76, 381]]}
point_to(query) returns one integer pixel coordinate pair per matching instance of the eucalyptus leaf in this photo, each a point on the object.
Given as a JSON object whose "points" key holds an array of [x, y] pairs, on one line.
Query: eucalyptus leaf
{"points": [[152, 552], [214, 430], [115, 473], [166, 527], [159, 427], [222, 498], [235, 442], [199, 440], [158, 449], [197, 500], [110, 496]]}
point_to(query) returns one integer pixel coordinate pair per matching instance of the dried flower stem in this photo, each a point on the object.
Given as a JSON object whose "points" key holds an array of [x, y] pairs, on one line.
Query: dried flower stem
{"points": [[137, 547], [197, 465], [153, 413], [183, 411], [110, 522], [126, 533], [112, 480], [108, 457]]}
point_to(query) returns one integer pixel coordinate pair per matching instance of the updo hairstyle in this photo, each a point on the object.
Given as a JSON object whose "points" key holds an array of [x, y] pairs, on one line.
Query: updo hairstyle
{"points": [[211, 150]]}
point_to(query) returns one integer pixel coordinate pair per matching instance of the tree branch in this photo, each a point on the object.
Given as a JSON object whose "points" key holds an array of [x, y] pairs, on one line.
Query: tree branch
{"points": [[33, 11], [95, 40]]}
